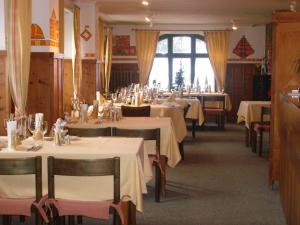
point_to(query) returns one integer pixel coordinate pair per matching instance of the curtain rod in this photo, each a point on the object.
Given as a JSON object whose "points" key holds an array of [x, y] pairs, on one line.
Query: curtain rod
{"points": [[184, 30]]}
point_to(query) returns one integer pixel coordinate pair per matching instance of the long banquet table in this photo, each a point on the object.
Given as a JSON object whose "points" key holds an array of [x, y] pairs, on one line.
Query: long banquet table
{"points": [[168, 145], [134, 166]]}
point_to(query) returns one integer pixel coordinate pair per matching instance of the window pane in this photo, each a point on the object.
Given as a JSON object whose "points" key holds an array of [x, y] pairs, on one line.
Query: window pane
{"points": [[181, 45], [160, 73], [204, 71], [200, 46], [162, 46], [185, 65]]}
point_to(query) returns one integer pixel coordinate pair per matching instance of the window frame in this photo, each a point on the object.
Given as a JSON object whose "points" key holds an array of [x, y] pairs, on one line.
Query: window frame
{"points": [[170, 55]]}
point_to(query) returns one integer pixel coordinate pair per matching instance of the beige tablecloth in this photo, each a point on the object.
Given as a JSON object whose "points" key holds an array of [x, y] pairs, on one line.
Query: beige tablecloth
{"points": [[250, 111], [135, 170], [176, 115], [168, 145], [195, 111], [228, 105]]}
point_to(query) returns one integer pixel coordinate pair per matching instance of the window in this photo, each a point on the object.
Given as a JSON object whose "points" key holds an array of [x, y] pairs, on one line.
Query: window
{"points": [[187, 53]]}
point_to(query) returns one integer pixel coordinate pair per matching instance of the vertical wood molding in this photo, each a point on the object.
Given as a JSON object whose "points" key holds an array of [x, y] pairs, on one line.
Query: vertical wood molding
{"points": [[68, 85], [5, 100], [61, 26]]}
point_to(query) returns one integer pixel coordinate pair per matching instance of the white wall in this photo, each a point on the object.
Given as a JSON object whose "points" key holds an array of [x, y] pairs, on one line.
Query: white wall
{"points": [[255, 35], [2, 26], [68, 35]]}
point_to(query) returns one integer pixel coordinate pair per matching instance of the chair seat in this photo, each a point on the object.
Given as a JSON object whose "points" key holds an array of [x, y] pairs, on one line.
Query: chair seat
{"points": [[21, 206], [264, 127]]}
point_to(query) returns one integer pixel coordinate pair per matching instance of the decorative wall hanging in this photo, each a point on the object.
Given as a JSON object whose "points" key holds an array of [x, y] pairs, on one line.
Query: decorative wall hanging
{"points": [[86, 34], [54, 27], [243, 48], [121, 46], [36, 32]]}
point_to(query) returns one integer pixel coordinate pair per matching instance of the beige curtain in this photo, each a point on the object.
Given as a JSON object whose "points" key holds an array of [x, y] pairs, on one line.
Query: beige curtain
{"points": [[146, 42], [18, 27], [101, 52], [77, 70], [108, 58], [217, 43]]}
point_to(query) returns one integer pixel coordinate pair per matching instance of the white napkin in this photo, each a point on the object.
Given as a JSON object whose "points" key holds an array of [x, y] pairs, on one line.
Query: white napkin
{"points": [[11, 127]]}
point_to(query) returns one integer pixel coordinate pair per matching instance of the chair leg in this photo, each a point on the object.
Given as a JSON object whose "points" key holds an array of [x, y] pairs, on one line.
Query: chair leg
{"points": [[157, 183], [38, 219], [254, 137], [116, 218], [79, 219], [260, 143], [194, 128], [71, 220], [247, 136], [181, 150], [22, 219]]}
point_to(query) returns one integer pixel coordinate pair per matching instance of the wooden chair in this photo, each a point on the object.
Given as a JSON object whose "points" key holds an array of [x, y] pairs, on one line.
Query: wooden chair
{"points": [[89, 132], [214, 105], [23, 166], [259, 128], [141, 111], [148, 135], [181, 148], [77, 167]]}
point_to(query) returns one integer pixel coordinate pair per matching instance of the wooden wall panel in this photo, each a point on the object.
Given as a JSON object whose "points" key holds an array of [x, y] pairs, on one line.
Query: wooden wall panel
{"points": [[286, 49], [68, 85], [45, 92], [239, 85], [4, 93], [90, 77], [122, 75]]}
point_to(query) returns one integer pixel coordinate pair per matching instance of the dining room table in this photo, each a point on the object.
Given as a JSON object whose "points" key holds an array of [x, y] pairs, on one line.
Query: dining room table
{"points": [[135, 169], [248, 113]]}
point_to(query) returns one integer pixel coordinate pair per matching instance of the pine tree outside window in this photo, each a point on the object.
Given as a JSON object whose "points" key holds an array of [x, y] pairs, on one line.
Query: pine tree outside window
{"points": [[181, 52]]}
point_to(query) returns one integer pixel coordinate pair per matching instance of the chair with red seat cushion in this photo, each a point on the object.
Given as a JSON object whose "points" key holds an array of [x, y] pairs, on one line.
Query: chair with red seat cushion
{"points": [[259, 128], [61, 208], [23, 206], [214, 105], [147, 135]]}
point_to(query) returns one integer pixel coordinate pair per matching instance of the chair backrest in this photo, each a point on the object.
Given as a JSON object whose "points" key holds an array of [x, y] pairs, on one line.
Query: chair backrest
{"points": [[186, 109], [213, 99], [140, 111], [24, 166], [89, 132], [84, 167], [265, 111], [147, 134]]}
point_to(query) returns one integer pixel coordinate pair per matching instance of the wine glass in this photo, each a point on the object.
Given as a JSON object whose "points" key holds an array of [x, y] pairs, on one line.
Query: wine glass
{"points": [[31, 124]]}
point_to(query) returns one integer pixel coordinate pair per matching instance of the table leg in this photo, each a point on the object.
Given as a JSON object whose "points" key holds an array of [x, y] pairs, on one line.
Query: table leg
{"points": [[246, 136], [129, 210]]}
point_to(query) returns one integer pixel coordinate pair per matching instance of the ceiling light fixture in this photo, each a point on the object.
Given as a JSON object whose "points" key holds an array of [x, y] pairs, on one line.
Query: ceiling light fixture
{"points": [[148, 19], [234, 27], [145, 3]]}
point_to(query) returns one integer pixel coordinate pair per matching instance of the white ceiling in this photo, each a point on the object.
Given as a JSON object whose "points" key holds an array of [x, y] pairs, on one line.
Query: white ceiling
{"points": [[200, 12]]}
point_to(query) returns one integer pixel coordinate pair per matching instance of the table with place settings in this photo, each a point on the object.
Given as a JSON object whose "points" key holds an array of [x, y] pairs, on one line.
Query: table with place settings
{"points": [[135, 170]]}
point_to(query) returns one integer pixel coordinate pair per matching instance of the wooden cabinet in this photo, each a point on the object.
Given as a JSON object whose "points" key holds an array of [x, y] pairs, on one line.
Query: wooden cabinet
{"points": [[45, 91], [286, 50], [239, 85], [289, 130]]}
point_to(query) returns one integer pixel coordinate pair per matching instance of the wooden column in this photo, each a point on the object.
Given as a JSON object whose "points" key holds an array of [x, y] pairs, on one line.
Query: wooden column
{"points": [[286, 49], [4, 92], [45, 92], [90, 79]]}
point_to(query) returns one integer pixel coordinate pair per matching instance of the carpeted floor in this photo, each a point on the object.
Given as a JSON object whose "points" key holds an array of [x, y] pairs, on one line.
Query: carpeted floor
{"points": [[220, 182]]}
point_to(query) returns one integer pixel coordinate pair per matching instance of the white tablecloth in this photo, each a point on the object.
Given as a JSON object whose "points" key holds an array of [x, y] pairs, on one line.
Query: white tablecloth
{"points": [[134, 166], [195, 111], [250, 111], [168, 145], [176, 115]]}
